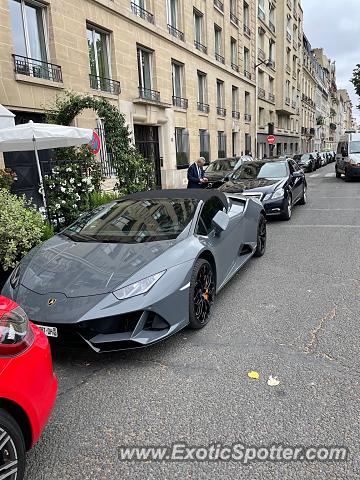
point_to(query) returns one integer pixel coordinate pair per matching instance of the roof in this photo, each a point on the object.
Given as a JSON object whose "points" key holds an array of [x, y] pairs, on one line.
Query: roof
{"points": [[191, 193]]}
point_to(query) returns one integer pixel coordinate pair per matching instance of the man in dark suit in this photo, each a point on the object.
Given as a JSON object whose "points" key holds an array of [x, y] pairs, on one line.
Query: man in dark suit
{"points": [[196, 175]]}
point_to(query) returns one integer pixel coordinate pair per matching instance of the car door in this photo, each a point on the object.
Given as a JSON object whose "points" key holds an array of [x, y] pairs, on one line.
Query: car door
{"points": [[295, 181], [226, 245]]}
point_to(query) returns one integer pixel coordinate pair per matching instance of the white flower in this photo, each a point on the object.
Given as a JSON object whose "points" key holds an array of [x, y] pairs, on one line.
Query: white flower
{"points": [[74, 206], [72, 180], [69, 169], [79, 184], [62, 189], [77, 196], [51, 185], [63, 202], [57, 206], [91, 189]]}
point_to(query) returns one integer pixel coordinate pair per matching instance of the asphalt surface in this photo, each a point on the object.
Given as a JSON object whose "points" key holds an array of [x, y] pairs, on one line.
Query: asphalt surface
{"points": [[293, 313]]}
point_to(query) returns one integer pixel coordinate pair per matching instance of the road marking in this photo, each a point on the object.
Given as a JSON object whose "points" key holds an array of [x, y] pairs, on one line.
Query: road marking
{"points": [[315, 175], [324, 226], [332, 209], [330, 175]]}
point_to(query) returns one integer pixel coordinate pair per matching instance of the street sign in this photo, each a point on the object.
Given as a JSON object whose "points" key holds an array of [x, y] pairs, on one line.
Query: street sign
{"points": [[95, 143], [271, 139]]}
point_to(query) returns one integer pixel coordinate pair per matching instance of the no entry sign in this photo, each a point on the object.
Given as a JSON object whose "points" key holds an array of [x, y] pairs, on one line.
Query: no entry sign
{"points": [[271, 139]]}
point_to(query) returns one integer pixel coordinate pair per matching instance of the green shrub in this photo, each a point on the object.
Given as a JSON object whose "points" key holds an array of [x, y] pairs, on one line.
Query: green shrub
{"points": [[21, 228], [97, 199], [48, 232], [7, 178]]}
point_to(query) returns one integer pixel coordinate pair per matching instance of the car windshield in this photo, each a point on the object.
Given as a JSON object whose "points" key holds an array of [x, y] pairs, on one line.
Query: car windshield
{"points": [[221, 165], [134, 221], [354, 147], [252, 170]]}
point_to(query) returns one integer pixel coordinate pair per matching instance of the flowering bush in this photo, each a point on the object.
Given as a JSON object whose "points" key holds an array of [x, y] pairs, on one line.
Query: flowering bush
{"points": [[68, 188], [21, 228], [7, 178]]}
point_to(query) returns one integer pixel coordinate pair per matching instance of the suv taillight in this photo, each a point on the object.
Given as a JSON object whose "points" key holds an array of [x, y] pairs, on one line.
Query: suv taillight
{"points": [[16, 334]]}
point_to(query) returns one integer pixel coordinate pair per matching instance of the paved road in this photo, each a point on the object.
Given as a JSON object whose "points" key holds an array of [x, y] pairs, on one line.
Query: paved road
{"points": [[293, 313]]}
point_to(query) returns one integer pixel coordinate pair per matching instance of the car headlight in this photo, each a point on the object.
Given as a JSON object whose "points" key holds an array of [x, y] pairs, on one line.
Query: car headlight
{"points": [[279, 193], [138, 288], [15, 277]]}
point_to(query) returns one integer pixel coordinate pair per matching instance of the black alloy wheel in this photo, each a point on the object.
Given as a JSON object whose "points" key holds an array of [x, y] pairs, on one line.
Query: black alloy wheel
{"points": [[202, 293], [303, 198], [288, 208], [12, 448], [261, 237]]}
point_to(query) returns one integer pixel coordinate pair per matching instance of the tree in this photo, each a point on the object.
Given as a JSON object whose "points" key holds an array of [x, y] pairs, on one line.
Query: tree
{"points": [[133, 172], [356, 80]]}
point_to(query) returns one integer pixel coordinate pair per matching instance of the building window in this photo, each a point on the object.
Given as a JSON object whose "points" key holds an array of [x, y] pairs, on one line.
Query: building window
{"points": [[235, 99], [220, 96], [204, 144], [182, 147], [234, 53], [246, 15], [98, 44], [218, 42], [221, 144], [173, 13], [198, 28], [29, 29], [272, 51], [145, 71], [202, 88], [177, 79], [247, 103]]}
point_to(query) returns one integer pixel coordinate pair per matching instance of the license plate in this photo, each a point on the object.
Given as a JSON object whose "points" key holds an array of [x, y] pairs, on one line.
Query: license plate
{"points": [[49, 331]]}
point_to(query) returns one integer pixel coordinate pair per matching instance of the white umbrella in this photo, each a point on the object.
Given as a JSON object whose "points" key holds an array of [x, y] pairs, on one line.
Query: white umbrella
{"points": [[6, 118], [42, 136]]}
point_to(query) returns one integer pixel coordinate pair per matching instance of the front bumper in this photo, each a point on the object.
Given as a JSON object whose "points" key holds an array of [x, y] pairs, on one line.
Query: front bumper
{"points": [[274, 207]]}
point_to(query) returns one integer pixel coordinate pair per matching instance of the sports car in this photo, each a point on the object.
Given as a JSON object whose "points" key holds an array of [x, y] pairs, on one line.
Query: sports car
{"points": [[139, 269]]}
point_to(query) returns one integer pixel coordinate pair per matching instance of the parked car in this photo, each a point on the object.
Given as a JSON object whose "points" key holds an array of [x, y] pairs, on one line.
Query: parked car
{"points": [[27, 387], [221, 168], [137, 270], [306, 161], [278, 184], [348, 156]]}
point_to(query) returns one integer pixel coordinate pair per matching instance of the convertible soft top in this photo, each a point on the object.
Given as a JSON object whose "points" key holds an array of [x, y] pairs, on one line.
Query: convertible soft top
{"points": [[194, 193]]}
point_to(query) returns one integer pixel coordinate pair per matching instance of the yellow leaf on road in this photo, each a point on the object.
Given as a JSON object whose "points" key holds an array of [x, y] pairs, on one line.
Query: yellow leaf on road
{"points": [[254, 375]]}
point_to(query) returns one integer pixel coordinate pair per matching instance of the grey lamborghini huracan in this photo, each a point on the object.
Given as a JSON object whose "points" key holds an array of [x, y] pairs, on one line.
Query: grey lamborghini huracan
{"points": [[137, 270]]}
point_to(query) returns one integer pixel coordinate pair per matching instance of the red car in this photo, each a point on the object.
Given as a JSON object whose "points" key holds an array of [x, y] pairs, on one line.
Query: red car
{"points": [[28, 387]]}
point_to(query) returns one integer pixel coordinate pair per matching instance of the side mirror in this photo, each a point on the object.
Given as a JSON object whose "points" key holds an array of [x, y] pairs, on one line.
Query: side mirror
{"points": [[220, 222]]}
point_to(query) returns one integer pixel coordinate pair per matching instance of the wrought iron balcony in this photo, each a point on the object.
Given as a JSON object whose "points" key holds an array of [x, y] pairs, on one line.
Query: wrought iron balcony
{"points": [[200, 46], [37, 69], [180, 102], [234, 19], [261, 14], [247, 117], [271, 26], [235, 67], [221, 111], [142, 13], [261, 93], [175, 32], [148, 94], [218, 4], [261, 54], [219, 58], [247, 30], [236, 114], [105, 84], [203, 107], [271, 97], [247, 74]]}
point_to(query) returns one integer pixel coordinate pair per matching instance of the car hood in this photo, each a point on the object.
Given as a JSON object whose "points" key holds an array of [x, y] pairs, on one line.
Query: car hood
{"points": [[214, 176], [258, 184], [79, 269]]}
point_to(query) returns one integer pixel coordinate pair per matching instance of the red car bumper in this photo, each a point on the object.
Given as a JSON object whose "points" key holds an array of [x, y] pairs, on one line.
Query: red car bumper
{"points": [[28, 381]]}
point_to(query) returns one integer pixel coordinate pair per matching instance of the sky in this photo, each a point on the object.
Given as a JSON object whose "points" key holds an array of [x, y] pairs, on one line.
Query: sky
{"points": [[335, 26]]}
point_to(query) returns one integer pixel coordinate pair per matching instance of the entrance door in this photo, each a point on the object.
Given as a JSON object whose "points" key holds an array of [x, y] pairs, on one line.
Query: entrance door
{"points": [[24, 164], [147, 142]]}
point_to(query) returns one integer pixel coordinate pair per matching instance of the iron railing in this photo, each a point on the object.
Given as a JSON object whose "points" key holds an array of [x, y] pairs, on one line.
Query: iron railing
{"points": [[218, 4], [180, 102], [142, 13], [247, 117], [175, 32], [234, 19], [37, 68], [203, 107], [105, 84], [247, 74], [148, 94], [200, 46], [221, 111], [271, 97], [261, 93], [219, 57], [247, 30], [235, 67], [261, 54], [271, 26], [235, 114]]}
